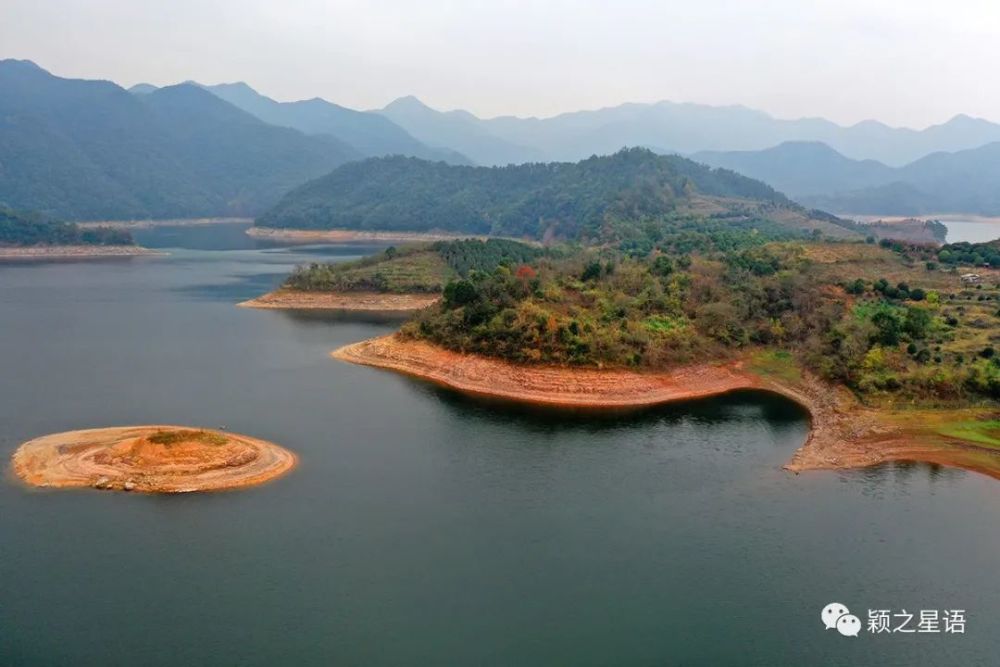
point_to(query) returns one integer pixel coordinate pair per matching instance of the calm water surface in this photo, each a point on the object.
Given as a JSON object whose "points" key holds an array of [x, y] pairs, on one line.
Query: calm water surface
{"points": [[423, 528], [978, 231]]}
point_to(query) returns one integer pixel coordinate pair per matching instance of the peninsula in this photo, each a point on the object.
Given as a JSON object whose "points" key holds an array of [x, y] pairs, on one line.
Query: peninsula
{"points": [[32, 236], [402, 279], [152, 459], [661, 279]]}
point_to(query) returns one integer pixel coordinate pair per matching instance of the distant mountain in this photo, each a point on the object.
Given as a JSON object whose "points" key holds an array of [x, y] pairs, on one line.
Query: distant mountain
{"points": [[589, 200], [960, 182], [80, 149], [802, 168], [816, 175], [142, 89], [458, 130], [372, 134], [675, 128]]}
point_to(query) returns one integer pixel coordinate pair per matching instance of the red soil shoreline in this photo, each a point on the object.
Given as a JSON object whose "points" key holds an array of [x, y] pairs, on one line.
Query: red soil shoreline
{"points": [[289, 299], [843, 434]]}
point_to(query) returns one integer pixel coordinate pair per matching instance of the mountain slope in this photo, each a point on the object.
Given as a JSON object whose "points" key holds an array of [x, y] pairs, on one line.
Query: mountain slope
{"points": [[588, 200], [371, 134], [89, 149]]}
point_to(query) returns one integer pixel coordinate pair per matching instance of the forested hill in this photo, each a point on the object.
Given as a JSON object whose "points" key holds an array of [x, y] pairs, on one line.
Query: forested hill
{"points": [[18, 228], [80, 150], [565, 200]]}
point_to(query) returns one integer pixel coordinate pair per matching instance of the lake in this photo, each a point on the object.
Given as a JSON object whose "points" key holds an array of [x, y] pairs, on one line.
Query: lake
{"points": [[972, 231], [427, 528]]}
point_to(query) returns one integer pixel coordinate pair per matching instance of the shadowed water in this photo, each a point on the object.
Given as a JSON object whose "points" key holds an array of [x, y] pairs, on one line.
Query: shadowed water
{"points": [[427, 528]]}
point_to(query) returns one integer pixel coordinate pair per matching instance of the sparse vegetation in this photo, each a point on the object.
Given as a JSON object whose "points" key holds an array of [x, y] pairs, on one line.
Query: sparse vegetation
{"points": [[174, 437], [422, 268]]}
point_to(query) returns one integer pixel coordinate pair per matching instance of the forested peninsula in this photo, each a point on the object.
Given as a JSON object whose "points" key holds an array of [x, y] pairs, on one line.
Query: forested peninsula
{"points": [[890, 346], [653, 279], [29, 235]]}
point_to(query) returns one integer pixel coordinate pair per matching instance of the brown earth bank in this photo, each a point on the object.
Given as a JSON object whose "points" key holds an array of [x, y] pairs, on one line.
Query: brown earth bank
{"points": [[943, 217], [362, 301], [13, 254], [843, 434], [171, 222], [151, 459], [351, 235]]}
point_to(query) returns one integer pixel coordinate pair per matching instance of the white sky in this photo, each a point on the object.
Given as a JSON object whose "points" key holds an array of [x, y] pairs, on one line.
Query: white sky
{"points": [[909, 63]]}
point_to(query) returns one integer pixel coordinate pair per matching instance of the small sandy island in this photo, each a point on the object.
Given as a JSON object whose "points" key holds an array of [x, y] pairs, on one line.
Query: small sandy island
{"points": [[152, 459], [291, 299], [37, 252], [844, 434]]}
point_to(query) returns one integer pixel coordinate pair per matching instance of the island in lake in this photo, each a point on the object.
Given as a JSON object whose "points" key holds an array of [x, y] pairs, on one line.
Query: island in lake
{"points": [[152, 459], [659, 280]]}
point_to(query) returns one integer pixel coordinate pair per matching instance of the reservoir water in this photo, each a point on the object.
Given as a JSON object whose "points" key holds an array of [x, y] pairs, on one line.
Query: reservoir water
{"points": [[972, 231], [425, 528]]}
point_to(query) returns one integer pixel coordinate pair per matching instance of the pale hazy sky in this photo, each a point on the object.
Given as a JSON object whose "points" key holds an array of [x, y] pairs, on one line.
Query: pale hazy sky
{"points": [[905, 62]]}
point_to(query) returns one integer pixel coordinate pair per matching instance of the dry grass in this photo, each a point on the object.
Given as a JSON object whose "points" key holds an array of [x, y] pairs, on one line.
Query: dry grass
{"points": [[175, 437]]}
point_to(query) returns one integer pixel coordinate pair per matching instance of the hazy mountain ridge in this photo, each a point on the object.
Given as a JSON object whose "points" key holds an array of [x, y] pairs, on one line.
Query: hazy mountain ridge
{"points": [[682, 128], [816, 175], [89, 149], [460, 131], [79, 149], [372, 134]]}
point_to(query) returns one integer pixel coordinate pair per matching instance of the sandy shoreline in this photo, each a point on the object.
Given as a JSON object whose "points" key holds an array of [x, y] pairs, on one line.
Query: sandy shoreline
{"points": [[130, 458], [173, 222], [289, 299], [843, 434], [351, 236], [942, 217], [13, 254]]}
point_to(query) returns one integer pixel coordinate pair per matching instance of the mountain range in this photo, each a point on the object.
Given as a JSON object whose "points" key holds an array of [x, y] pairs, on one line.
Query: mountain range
{"points": [[80, 149], [669, 127], [965, 181], [371, 134]]}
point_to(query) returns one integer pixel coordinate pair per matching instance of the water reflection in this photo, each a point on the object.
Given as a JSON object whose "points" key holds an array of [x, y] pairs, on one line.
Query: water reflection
{"points": [[334, 316], [738, 406]]}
